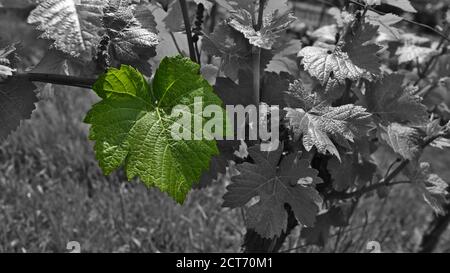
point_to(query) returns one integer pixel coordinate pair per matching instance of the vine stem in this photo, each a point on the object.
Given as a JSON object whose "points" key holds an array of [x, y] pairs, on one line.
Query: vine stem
{"points": [[350, 195], [256, 56], [256, 53], [404, 19], [57, 79], [187, 25], [386, 182]]}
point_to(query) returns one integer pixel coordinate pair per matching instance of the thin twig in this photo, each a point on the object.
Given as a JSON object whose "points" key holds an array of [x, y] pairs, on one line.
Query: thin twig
{"points": [[437, 32], [430, 64], [256, 56], [350, 195], [187, 25], [262, 3], [57, 79], [176, 43]]}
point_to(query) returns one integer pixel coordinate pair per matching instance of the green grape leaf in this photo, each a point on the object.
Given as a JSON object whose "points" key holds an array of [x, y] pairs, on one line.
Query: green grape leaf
{"points": [[273, 25], [317, 123], [330, 67], [387, 99], [404, 140], [132, 125], [73, 25], [361, 51], [432, 187], [292, 183]]}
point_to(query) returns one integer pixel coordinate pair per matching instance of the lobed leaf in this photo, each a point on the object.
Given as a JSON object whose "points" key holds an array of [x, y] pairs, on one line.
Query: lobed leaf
{"points": [[316, 122], [404, 140], [293, 183], [273, 25], [389, 100], [132, 125], [331, 68], [72, 25], [432, 187]]}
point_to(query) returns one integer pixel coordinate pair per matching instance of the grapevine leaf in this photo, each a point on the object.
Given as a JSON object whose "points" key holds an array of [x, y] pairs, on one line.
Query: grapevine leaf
{"points": [[413, 53], [326, 34], [164, 4], [361, 51], [235, 5], [433, 130], [432, 187], [281, 5], [234, 50], [209, 72], [293, 183], [390, 101], [174, 19], [272, 26], [347, 173], [233, 93], [73, 25], [132, 30], [331, 68], [6, 55], [401, 4], [274, 85], [230, 45], [5, 71], [17, 102], [285, 58], [342, 173], [404, 140], [54, 62], [241, 94], [342, 18], [316, 123], [17, 96], [385, 23], [132, 125]]}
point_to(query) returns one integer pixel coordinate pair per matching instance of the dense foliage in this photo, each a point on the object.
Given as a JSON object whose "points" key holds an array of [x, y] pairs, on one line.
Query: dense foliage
{"points": [[345, 90]]}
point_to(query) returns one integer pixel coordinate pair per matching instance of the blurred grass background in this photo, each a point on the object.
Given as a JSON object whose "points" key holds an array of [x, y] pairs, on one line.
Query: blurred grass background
{"points": [[52, 192]]}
